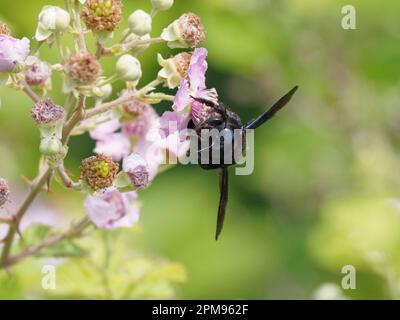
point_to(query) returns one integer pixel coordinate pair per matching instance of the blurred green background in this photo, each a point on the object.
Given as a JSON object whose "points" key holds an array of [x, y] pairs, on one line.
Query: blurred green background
{"points": [[326, 168]]}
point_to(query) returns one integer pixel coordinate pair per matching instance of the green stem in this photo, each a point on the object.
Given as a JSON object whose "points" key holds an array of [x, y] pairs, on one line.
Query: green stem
{"points": [[58, 45]]}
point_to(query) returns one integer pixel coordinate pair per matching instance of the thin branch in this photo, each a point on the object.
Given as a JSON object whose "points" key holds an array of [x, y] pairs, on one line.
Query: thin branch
{"points": [[34, 191], [109, 105], [27, 89], [73, 232], [65, 178], [7, 219], [78, 115], [38, 185], [80, 35]]}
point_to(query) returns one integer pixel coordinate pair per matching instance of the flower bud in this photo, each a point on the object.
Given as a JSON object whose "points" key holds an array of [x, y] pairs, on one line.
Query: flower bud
{"points": [[84, 68], [162, 5], [136, 168], [102, 15], [128, 68], [51, 19], [174, 69], [99, 171], [4, 191], [12, 52], [46, 113], [103, 92], [4, 29], [140, 22], [138, 49], [51, 146], [38, 73], [185, 32]]}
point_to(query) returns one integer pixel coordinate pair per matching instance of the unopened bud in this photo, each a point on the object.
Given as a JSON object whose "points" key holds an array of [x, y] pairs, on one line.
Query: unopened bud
{"points": [[99, 171], [174, 69], [139, 48], [162, 5], [51, 146], [51, 19], [185, 32], [128, 68], [103, 92], [4, 191], [140, 22]]}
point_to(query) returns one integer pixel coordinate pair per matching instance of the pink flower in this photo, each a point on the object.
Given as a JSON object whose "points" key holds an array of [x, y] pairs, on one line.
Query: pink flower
{"points": [[103, 130], [115, 145], [150, 148], [171, 122], [109, 142], [155, 147], [12, 51], [111, 209], [195, 87]]}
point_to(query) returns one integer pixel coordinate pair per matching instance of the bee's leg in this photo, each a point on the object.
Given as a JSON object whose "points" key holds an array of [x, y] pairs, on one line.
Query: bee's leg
{"points": [[223, 200], [255, 123]]}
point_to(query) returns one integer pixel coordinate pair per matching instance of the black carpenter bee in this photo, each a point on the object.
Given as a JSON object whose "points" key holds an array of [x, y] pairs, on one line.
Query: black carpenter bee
{"points": [[223, 119]]}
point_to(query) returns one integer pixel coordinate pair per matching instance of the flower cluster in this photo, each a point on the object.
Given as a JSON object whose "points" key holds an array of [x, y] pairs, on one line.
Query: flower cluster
{"points": [[129, 128]]}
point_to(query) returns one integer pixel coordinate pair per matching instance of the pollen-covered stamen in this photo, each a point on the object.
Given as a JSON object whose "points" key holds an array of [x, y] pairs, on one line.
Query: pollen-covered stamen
{"points": [[4, 191], [182, 61], [4, 29], [174, 69], [83, 67], [46, 112], [134, 107], [192, 30], [99, 171], [102, 15]]}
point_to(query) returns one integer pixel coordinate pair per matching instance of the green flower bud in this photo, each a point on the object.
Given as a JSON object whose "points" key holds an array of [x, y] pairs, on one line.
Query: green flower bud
{"points": [[162, 5], [51, 19], [140, 22], [51, 146], [128, 68]]}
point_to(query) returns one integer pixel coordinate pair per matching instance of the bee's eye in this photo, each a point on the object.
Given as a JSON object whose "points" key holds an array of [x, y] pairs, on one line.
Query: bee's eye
{"points": [[215, 122]]}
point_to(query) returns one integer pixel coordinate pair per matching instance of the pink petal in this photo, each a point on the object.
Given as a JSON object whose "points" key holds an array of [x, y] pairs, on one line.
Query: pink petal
{"points": [[104, 130], [111, 209], [12, 51], [197, 69], [116, 146], [182, 98], [172, 121]]}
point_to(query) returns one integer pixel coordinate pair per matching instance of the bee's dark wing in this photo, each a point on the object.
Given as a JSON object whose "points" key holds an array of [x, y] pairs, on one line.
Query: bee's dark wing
{"points": [[255, 123], [223, 200]]}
